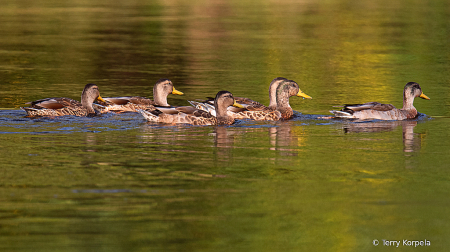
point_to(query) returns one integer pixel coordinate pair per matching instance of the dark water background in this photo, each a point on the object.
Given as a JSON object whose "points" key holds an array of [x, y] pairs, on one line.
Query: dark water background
{"points": [[117, 183]]}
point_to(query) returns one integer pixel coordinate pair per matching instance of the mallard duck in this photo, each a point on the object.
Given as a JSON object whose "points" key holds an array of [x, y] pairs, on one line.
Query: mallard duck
{"points": [[375, 110], [280, 90], [65, 106], [194, 116], [161, 90]]}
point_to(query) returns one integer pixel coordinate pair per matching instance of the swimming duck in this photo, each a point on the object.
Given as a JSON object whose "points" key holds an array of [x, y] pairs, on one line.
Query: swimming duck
{"points": [[194, 116], [161, 90], [375, 110], [280, 90], [65, 106]]}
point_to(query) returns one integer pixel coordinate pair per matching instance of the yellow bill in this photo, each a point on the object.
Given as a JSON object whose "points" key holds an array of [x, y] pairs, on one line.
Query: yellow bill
{"points": [[237, 105], [174, 91], [100, 99], [301, 94], [423, 96]]}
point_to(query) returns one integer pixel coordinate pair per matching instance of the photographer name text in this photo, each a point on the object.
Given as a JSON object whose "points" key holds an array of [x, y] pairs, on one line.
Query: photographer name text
{"points": [[404, 242]]}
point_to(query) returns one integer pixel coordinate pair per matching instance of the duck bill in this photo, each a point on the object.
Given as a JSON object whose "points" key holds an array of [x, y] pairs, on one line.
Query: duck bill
{"points": [[423, 96], [100, 99], [174, 91], [237, 105], [301, 94]]}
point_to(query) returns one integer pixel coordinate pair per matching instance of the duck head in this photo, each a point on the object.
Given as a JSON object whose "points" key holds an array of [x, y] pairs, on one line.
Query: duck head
{"points": [[162, 89]]}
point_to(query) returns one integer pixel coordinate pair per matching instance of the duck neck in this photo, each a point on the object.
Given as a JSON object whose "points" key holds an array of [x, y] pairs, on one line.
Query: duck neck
{"points": [[282, 100], [158, 97], [408, 103], [286, 113], [221, 111], [87, 104], [273, 97]]}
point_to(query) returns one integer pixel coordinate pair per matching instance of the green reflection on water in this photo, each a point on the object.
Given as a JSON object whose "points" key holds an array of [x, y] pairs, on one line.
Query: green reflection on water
{"points": [[306, 185]]}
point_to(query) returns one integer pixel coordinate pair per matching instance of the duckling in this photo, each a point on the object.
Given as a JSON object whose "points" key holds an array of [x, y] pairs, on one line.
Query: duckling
{"points": [[375, 110], [193, 116], [65, 106]]}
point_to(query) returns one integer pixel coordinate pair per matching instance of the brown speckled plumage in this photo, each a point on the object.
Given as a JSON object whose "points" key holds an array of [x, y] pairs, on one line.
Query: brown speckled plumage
{"points": [[280, 90], [375, 110], [193, 116], [61, 106], [161, 90], [282, 110]]}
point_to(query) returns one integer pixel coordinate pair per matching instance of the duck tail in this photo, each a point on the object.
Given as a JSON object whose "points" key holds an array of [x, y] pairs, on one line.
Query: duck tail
{"points": [[31, 111], [149, 116], [100, 108], [201, 105], [204, 106], [197, 105], [98, 105], [341, 114]]}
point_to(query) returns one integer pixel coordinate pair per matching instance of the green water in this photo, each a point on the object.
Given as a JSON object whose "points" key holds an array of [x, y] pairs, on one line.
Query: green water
{"points": [[118, 183]]}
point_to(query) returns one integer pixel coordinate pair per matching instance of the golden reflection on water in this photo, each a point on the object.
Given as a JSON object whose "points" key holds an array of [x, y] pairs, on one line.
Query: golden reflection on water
{"points": [[283, 139]]}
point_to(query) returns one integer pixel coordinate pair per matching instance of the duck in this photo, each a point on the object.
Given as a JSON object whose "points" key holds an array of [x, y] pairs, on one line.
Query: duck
{"points": [[61, 106], [193, 116], [375, 110], [161, 90], [280, 90]]}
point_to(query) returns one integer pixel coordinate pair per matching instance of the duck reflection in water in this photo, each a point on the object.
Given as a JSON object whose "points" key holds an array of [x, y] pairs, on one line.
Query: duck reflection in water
{"points": [[411, 141], [223, 138], [224, 142], [282, 138]]}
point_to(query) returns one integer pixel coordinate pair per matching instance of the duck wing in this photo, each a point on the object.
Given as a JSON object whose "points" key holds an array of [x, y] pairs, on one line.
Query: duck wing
{"points": [[185, 114], [247, 104], [250, 104], [129, 99], [176, 110], [370, 105], [55, 103]]}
